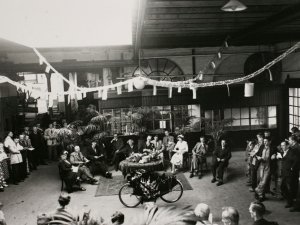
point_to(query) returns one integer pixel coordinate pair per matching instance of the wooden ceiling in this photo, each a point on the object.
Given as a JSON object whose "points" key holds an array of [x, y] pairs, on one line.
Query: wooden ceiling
{"points": [[201, 23]]}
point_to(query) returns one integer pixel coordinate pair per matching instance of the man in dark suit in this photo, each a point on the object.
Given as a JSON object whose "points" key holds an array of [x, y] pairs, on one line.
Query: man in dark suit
{"points": [[37, 142], [97, 162], [124, 153], [71, 178], [220, 161], [290, 172], [116, 145]]}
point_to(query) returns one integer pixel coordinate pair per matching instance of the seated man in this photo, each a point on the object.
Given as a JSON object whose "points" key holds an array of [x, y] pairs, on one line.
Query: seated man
{"points": [[198, 157], [220, 161], [116, 145], [77, 159], [71, 178], [97, 162], [124, 153]]}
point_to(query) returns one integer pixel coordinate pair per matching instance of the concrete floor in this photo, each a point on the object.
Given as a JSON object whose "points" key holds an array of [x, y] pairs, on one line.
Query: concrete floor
{"points": [[39, 193]]}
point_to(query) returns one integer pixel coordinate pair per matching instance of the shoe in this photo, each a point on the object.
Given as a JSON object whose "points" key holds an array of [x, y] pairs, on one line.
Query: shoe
{"points": [[251, 189], [1, 189], [293, 210], [5, 185], [199, 176], [108, 175], [16, 183], [262, 199], [82, 189], [220, 183], [213, 180], [191, 175], [288, 206]]}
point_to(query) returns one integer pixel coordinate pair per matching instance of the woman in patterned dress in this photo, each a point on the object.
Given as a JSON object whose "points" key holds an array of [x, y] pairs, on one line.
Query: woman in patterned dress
{"points": [[4, 174], [4, 162]]}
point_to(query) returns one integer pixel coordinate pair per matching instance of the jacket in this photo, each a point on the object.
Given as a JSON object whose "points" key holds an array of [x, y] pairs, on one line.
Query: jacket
{"points": [[77, 158]]}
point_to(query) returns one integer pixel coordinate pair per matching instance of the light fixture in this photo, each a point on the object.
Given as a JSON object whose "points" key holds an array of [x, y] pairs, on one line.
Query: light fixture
{"points": [[233, 6]]}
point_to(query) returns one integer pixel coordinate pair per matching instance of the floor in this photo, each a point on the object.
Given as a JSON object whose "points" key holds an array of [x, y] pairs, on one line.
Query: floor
{"points": [[39, 194]]}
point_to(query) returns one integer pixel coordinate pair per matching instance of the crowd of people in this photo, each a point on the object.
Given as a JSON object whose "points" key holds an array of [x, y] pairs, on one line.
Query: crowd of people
{"points": [[200, 215], [280, 165]]}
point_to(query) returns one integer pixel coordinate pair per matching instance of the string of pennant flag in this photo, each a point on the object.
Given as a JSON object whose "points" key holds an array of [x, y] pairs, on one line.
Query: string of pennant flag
{"points": [[139, 82]]}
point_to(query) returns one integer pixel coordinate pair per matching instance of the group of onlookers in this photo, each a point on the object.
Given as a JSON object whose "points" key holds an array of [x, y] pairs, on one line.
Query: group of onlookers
{"points": [[22, 153], [280, 164]]}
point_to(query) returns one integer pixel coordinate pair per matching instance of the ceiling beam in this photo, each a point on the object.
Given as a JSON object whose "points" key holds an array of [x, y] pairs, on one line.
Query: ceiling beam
{"points": [[206, 9], [139, 25], [286, 15], [205, 16], [214, 3]]}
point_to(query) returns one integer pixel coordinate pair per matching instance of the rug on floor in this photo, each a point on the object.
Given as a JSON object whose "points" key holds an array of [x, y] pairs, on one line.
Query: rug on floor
{"points": [[109, 187]]}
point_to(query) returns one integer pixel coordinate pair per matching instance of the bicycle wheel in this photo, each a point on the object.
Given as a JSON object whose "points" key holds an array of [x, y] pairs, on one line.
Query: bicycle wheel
{"points": [[127, 197], [174, 193]]}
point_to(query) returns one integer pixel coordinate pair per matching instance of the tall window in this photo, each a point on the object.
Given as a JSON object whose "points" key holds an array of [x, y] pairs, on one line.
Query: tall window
{"points": [[246, 118], [294, 105], [155, 118]]}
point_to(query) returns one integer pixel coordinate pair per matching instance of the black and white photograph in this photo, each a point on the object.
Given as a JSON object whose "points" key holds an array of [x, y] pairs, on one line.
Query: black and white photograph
{"points": [[149, 112]]}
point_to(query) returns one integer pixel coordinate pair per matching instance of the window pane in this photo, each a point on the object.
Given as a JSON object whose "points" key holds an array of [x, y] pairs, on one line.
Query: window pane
{"points": [[291, 110], [291, 91], [291, 126], [194, 110], [291, 101], [244, 112], [227, 113], [254, 113], [298, 92], [245, 122], [291, 120], [295, 91], [236, 113], [254, 122], [272, 122], [295, 111], [296, 120], [236, 122], [208, 114], [296, 101], [272, 111]]}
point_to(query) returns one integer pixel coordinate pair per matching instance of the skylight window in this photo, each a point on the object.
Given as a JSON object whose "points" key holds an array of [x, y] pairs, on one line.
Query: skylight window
{"points": [[66, 23]]}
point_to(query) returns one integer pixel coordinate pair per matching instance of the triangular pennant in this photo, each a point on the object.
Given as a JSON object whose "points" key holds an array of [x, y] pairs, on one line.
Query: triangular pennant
{"points": [[104, 94], [119, 90], [100, 93], [154, 90], [194, 93], [170, 92]]}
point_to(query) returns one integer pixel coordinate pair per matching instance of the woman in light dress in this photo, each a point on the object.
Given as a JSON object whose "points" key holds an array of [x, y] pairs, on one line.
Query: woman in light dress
{"points": [[180, 148]]}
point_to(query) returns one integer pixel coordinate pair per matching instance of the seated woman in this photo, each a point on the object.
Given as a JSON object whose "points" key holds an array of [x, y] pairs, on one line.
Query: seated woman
{"points": [[180, 148], [71, 178]]}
